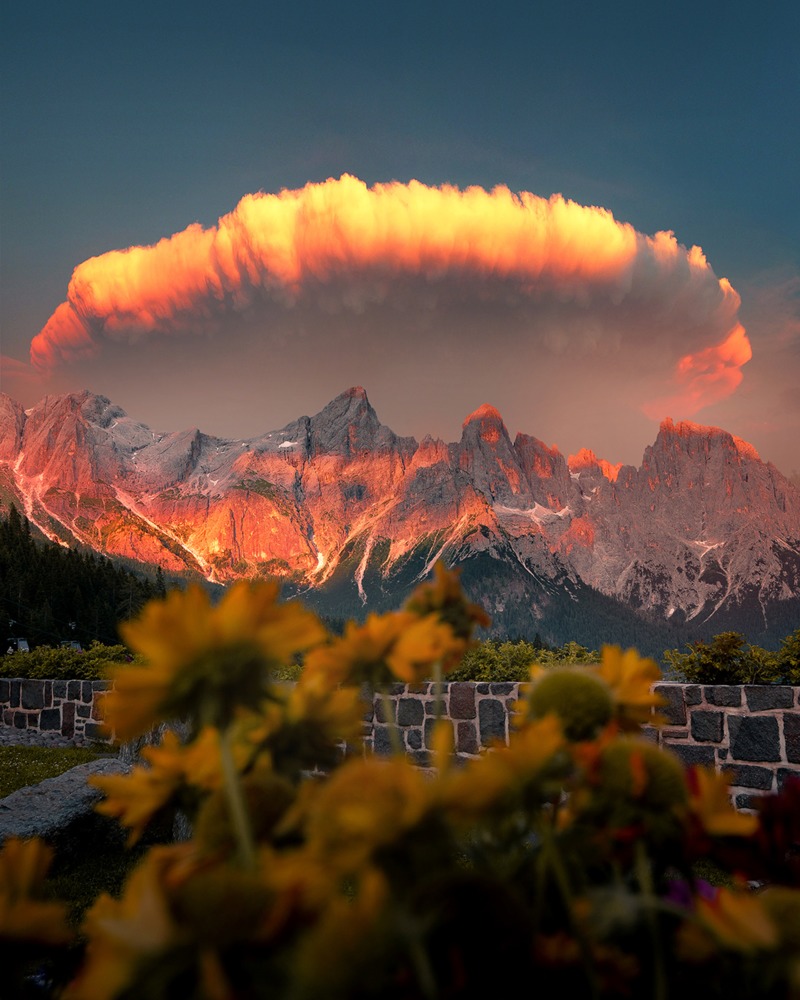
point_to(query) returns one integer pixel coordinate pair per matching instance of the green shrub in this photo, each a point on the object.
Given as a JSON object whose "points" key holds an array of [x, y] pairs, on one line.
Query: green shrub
{"points": [[497, 661], [47, 662], [730, 659]]}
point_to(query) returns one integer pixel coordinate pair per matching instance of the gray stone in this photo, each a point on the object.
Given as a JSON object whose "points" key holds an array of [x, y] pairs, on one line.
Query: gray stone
{"points": [[785, 774], [50, 718], [749, 776], [706, 726], [674, 709], [32, 694], [754, 738], [690, 755], [491, 720], [410, 712], [762, 697], [430, 725], [382, 741], [727, 695], [693, 694], [791, 732], [44, 809], [414, 739], [5, 690]]}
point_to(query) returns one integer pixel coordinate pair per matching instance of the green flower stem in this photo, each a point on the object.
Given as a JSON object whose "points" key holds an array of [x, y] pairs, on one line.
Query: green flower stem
{"points": [[439, 688], [645, 879], [236, 803], [552, 858], [394, 732]]}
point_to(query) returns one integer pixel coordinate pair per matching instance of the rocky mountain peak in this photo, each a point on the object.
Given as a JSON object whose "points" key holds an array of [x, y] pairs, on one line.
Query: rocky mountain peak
{"points": [[586, 460]]}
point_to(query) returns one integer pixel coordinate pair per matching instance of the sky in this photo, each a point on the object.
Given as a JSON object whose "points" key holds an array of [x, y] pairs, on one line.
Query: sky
{"points": [[585, 215]]}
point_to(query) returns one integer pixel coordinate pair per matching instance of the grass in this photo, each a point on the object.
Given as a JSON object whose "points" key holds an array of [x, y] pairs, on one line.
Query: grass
{"points": [[21, 766]]}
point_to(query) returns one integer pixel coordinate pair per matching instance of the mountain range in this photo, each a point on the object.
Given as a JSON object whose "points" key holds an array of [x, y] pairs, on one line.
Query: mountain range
{"points": [[701, 538]]}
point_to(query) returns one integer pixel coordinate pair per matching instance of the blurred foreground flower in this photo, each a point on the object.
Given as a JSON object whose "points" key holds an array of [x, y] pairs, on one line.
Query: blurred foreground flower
{"points": [[202, 660]]}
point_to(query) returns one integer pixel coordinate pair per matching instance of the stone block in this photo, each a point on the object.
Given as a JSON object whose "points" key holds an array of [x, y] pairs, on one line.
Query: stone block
{"points": [[94, 732], [430, 725], [59, 689], [466, 738], [491, 720], [754, 738], [791, 733], [503, 688], [86, 692], [32, 694], [385, 711], [763, 697], [74, 690], [726, 695], [693, 694], [706, 726], [382, 741], [5, 690], [785, 774], [745, 801], [83, 711], [15, 693], [462, 700], [414, 739], [410, 712], [749, 776], [674, 707], [68, 719], [20, 720], [690, 755], [50, 719], [48, 694]]}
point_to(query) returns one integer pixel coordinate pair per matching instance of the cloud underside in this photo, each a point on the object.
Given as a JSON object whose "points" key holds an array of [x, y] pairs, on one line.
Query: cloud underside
{"points": [[546, 278]]}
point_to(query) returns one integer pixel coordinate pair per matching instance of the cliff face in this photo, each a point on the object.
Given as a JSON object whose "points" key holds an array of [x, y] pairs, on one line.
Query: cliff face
{"points": [[701, 530]]}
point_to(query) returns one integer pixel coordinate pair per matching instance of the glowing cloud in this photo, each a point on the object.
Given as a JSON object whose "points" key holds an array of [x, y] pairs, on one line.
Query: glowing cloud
{"points": [[341, 246]]}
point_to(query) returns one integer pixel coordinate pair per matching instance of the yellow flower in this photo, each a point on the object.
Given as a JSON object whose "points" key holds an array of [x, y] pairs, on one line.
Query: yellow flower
{"points": [[204, 660], [422, 643], [24, 917], [123, 933], [307, 727], [735, 920], [360, 655], [710, 802], [444, 596], [364, 805], [630, 678], [504, 774]]}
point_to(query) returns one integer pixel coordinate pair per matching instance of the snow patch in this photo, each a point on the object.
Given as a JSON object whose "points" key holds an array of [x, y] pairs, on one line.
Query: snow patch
{"points": [[538, 514], [288, 444]]}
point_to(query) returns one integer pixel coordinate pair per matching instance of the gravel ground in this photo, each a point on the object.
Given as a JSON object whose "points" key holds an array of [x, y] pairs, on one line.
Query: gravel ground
{"points": [[11, 737]]}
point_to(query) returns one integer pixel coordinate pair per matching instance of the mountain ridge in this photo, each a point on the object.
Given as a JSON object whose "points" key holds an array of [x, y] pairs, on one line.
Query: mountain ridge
{"points": [[702, 533]]}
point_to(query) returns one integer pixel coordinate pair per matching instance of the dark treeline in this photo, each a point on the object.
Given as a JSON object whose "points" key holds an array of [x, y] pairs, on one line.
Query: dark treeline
{"points": [[49, 594]]}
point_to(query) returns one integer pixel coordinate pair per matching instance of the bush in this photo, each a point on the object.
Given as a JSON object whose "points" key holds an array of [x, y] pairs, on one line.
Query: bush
{"points": [[494, 661], [729, 659], [55, 663]]}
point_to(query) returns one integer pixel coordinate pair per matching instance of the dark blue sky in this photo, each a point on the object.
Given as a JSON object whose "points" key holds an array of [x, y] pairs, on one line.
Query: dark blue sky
{"points": [[122, 123]]}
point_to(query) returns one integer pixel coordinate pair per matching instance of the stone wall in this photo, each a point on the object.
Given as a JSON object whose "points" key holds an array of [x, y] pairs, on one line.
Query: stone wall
{"points": [[751, 731], [68, 708]]}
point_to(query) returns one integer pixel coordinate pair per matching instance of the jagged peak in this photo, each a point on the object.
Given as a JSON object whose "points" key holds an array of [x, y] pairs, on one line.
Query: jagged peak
{"points": [[688, 429], [586, 459], [485, 412]]}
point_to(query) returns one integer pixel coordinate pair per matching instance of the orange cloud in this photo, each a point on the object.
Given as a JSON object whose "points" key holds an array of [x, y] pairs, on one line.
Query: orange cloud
{"points": [[341, 240]]}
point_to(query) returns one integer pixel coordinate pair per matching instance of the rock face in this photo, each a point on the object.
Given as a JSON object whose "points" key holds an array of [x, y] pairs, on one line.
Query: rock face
{"points": [[703, 532]]}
